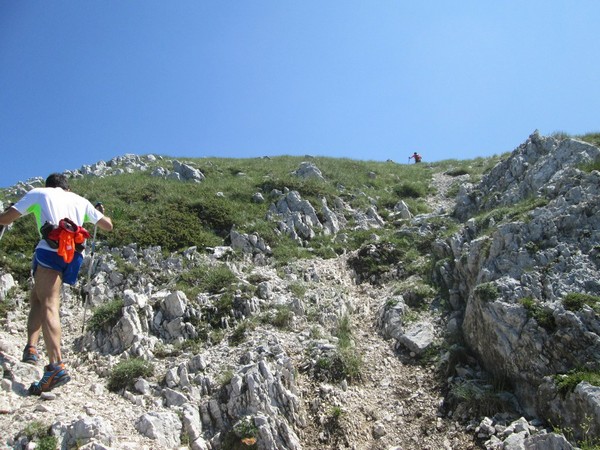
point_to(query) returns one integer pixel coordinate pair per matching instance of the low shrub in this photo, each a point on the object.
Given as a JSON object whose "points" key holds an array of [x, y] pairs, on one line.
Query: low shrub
{"points": [[566, 383], [283, 317], [243, 436], [574, 301], [240, 332], [410, 190], [39, 433], [487, 292], [542, 316], [125, 373], [106, 316], [217, 279]]}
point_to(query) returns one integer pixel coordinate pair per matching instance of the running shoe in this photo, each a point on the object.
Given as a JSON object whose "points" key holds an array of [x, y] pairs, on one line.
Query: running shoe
{"points": [[54, 375], [30, 355]]}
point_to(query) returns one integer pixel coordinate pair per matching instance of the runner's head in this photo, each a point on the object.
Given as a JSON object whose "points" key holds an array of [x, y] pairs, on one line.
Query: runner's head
{"points": [[59, 180]]}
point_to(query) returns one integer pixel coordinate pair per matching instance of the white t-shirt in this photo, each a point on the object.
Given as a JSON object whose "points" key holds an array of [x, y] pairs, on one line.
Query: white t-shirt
{"points": [[53, 204]]}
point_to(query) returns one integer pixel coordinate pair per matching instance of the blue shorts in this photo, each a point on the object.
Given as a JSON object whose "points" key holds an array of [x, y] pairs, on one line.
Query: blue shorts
{"points": [[51, 260]]}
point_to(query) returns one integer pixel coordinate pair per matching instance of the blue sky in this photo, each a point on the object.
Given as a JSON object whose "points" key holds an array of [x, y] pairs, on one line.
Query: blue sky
{"points": [[83, 81]]}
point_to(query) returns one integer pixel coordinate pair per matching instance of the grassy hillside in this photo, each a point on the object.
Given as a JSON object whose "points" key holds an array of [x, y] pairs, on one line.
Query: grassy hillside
{"points": [[152, 211]]}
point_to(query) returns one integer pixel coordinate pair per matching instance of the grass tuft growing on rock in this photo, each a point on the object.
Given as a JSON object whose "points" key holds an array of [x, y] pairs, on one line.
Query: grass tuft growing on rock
{"points": [[567, 383], [574, 301], [38, 433], [106, 316], [542, 316], [487, 292], [125, 374]]}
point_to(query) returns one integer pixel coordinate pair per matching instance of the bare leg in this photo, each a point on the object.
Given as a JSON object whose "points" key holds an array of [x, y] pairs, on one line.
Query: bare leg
{"points": [[34, 321], [44, 312]]}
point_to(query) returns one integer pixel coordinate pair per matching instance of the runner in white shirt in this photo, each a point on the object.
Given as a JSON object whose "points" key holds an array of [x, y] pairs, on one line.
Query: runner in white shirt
{"points": [[53, 204]]}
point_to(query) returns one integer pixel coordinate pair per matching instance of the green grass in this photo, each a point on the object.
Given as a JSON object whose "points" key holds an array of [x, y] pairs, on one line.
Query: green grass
{"points": [[345, 362], [39, 433], [481, 400], [204, 278], [240, 332], [574, 301], [280, 316], [5, 306], [487, 292], [106, 316], [542, 316], [505, 214], [125, 374], [591, 138], [175, 215], [567, 382]]}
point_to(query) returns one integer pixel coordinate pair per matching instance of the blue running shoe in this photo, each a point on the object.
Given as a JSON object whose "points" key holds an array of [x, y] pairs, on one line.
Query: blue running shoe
{"points": [[30, 355], [54, 375]]}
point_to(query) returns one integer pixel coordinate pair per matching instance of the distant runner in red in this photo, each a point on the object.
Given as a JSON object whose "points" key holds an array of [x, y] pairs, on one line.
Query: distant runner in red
{"points": [[416, 156]]}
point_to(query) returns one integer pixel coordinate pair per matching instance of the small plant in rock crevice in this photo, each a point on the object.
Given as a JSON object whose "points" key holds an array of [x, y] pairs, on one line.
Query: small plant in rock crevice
{"points": [[481, 398], [244, 435], [125, 373], [106, 315], [542, 316], [343, 363], [241, 331], [574, 301], [280, 316], [567, 382], [487, 292], [39, 434], [5, 307]]}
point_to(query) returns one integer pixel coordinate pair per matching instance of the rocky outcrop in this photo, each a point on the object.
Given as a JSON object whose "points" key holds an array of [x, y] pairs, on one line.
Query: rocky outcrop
{"points": [[530, 239], [186, 172], [540, 167], [309, 170]]}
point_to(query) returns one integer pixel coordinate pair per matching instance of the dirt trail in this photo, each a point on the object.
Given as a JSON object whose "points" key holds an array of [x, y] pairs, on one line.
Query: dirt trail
{"points": [[397, 405]]}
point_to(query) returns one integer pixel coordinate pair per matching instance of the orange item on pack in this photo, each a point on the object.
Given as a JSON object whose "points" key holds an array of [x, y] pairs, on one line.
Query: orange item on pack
{"points": [[68, 234]]}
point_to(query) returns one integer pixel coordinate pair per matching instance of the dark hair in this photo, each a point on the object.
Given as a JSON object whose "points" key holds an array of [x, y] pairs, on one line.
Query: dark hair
{"points": [[59, 180]]}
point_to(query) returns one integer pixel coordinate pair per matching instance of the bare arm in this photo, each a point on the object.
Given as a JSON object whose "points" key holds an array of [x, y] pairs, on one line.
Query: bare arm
{"points": [[9, 216], [105, 224]]}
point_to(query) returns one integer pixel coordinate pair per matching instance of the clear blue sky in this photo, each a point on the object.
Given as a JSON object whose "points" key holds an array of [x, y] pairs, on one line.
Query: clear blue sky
{"points": [[83, 81]]}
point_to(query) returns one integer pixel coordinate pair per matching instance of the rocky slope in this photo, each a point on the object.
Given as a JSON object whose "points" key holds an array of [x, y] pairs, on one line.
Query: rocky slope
{"points": [[321, 355]]}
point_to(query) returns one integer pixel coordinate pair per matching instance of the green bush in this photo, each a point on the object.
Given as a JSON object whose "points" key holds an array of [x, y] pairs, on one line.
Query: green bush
{"points": [[283, 317], [106, 316], [211, 279], [481, 399], [125, 374], [574, 301], [240, 332], [243, 436], [456, 172], [39, 433], [344, 364], [487, 292], [298, 289], [5, 306], [217, 279], [410, 190], [542, 316], [567, 382], [344, 332]]}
